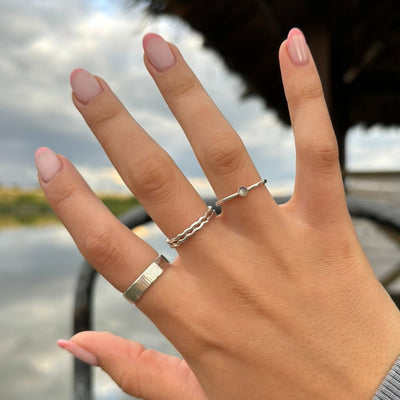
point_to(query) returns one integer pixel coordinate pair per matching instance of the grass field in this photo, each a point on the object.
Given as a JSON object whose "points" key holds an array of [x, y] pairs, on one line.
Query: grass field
{"points": [[29, 207]]}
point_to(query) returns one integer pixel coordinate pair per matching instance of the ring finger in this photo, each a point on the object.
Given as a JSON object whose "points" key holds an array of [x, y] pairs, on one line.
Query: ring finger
{"points": [[117, 253], [145, 167]]}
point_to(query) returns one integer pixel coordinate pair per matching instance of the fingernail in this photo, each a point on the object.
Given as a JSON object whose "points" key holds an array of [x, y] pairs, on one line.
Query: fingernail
{"points": [[47, 163], [84, 85], [158, 52], [79, 352], [297, 47]]}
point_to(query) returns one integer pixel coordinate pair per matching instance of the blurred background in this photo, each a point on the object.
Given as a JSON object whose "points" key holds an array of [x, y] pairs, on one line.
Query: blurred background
{"points": [[232, 46]]}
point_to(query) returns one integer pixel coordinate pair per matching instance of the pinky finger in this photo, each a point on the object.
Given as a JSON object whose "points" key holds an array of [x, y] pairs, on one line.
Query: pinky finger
{"points": [[110, 247]]}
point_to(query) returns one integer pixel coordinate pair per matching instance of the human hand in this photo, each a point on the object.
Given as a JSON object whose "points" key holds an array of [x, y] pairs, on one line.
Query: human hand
{"points": [[265, 301]]}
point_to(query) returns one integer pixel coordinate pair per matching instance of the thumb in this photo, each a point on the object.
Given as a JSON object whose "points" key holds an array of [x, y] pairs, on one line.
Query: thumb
{"points": [[139, 372]]}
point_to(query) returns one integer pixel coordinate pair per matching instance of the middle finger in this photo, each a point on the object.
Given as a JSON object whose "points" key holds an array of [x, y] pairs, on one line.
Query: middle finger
{"points": [[217, 146]]}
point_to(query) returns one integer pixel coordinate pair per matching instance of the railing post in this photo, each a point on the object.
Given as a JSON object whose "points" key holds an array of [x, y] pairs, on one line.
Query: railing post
{"points": [[82, 322], [83, 311]]}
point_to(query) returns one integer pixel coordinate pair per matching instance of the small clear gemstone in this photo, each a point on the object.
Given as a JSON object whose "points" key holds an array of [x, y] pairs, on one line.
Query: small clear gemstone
{"points": [[242, 191]]}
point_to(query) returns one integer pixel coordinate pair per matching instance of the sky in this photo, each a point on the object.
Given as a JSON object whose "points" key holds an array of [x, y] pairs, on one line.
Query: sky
{"points": [[42, 41]]}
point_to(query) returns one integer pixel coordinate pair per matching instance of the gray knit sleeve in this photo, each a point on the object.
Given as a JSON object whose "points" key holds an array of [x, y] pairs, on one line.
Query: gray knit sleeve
{"points": [[390, 387]]}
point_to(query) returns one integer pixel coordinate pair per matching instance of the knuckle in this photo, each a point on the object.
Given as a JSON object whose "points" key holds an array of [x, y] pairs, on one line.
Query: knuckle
{"points": [[101, 247], [310, 90], [60, 195], [102, 114], [224, 155], [128, 381], [182, 87], [152, 177], [327, 153]]}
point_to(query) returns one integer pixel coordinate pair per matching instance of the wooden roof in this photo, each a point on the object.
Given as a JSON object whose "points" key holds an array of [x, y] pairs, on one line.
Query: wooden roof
{"points": [[356, 44]]}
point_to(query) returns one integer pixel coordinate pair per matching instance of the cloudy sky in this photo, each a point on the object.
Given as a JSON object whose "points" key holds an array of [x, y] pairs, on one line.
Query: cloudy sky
{"points": [[42, 41]]}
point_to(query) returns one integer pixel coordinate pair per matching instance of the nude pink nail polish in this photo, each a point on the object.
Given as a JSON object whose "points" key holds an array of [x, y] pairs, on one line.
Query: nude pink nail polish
{"points": [[79, 352], [84, 85], [158, 52], [297, 47], [47, 163]]}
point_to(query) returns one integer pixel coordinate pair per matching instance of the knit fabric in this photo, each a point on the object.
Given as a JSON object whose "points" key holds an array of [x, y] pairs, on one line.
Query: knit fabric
{"points": [[390, 387]]}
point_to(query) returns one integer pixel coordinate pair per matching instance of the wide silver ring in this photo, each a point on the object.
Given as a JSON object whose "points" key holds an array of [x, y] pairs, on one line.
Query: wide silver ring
{"points": [[195, 227], [241, 192], [146, 279]]}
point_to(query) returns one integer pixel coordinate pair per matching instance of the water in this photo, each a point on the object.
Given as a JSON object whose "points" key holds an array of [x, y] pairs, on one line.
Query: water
{"points": [[39, 267]]}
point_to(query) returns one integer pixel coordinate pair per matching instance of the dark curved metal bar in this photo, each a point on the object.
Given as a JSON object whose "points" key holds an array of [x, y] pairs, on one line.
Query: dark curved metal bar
{"points": [[83, 322], [378, 212], [83, 311]]}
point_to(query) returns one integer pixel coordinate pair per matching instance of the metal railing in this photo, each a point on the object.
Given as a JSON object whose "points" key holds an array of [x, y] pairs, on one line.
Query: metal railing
{"points": [[378, 212]]}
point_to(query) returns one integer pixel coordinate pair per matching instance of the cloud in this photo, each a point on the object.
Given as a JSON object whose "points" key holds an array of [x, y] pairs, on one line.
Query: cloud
{"points": [[48, 40], [42, 42], [373, 149]]}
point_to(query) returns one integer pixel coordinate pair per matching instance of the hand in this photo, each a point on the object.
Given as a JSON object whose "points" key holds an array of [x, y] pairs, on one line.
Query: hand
{"points": [[265, 301]]}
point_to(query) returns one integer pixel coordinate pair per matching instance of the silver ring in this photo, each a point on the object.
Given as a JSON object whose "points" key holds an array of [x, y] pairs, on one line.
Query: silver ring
{"points": [[241, 192], [196, 226], [146, 279]]}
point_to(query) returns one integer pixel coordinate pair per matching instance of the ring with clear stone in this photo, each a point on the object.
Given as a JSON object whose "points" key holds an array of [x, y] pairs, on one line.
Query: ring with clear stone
{"points": [[241, 192]]}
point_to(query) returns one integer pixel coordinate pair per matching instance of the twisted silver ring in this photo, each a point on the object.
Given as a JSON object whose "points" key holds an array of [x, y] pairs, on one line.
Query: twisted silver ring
{"points": [[146, 279], [241, 192], [196, 226]]}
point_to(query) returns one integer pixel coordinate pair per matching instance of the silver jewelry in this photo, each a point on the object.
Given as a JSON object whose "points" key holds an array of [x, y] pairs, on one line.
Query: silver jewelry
{"points": [[241, 192], [196, 226], [146, 279]]}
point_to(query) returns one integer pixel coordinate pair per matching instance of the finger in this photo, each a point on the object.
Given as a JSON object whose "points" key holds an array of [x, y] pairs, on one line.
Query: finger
{"points": [[140, 372], [148, 171], [318, 190], [218, 148], [110, 247]]}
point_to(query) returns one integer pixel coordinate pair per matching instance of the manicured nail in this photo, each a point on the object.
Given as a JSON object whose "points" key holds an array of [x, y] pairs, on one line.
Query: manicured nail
{"points": [[79, 352], [84, 85], [158, 52], [47, 163], [297, 47]]}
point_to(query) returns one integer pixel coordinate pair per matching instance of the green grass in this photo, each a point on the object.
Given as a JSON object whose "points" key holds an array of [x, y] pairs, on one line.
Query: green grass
{"points": [[119, 204], [30, 207]]}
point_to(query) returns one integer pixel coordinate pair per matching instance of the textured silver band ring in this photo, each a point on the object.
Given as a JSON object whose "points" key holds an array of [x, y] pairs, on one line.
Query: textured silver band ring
{"points": [[241, 192], [195, 227], [146, 279]]}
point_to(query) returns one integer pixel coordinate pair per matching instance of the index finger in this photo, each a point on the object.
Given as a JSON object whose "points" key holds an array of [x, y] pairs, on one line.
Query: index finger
{"points": [[319, 187]]}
